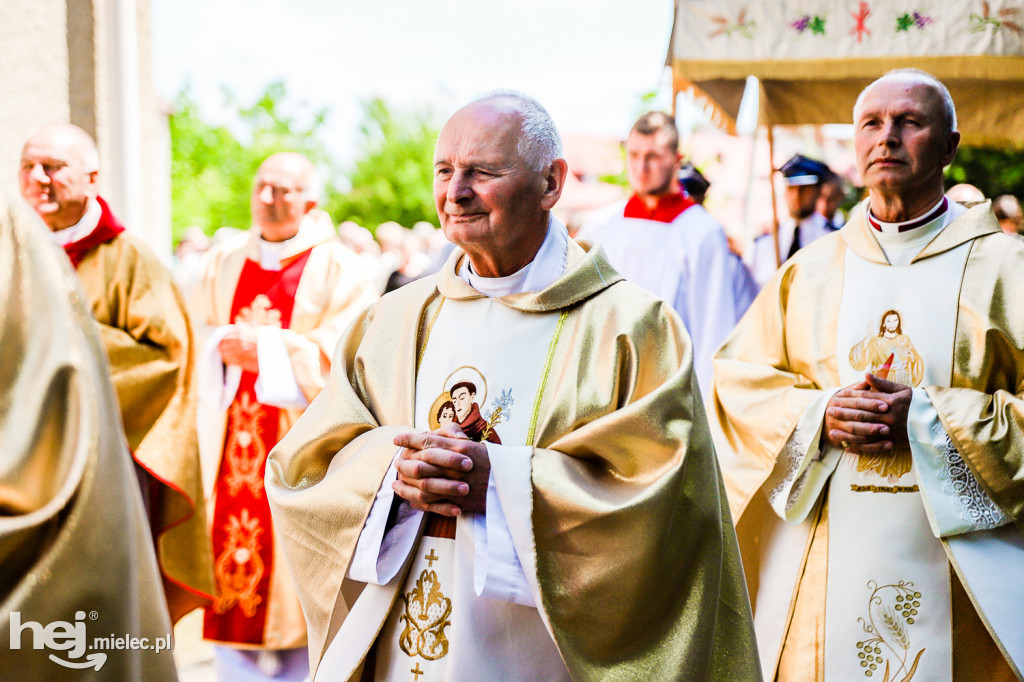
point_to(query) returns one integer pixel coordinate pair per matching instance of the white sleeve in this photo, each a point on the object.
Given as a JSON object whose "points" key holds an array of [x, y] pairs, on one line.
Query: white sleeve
{"points": [[801, 469], [504, 565], [953, 498], [715, 277], [276, 384], [216, 383], [380, 552]]}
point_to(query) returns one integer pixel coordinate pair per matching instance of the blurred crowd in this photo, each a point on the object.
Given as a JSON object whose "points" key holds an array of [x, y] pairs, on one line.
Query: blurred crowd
{"points": [[393, 254]]}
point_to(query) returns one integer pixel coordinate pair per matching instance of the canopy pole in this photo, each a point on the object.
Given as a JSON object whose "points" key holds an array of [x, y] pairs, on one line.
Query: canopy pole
{"points": [[771, 188]]}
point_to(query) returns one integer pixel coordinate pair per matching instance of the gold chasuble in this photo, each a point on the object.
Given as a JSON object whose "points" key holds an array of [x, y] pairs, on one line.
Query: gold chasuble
{"points": [[631, 552], [148, 339], [77, 566], [890, 567]]}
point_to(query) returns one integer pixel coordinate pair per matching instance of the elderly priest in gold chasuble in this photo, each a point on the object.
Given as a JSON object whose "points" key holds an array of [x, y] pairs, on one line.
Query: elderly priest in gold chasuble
{"points": [[871, 405], [582, 532], [148, 340]]}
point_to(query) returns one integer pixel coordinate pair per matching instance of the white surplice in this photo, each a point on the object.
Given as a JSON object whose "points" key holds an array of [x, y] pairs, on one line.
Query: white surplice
{"points": [[688, 264]]}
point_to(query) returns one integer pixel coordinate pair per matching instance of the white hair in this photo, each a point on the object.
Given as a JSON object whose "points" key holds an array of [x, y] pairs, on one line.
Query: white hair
{"points": [[539, 142], [926, 78]]}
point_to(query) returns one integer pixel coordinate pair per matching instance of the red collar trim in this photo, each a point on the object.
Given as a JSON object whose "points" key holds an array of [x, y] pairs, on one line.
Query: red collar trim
{"points": [[911, 225], [107, 228], [668, 208]]}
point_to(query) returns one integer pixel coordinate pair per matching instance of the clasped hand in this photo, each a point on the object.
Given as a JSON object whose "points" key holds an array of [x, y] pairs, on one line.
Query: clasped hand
{"points": [[869, 417], [238, 347], [442, 471]]}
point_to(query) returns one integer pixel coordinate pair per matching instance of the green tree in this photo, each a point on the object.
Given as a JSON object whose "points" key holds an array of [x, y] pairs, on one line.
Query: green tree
{"points": [[393, 176], [993, 171], [205, 190], [212, 166]]}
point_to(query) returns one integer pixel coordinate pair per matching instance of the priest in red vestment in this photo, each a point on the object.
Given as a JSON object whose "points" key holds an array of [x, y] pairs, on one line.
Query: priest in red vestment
{"points": [[272, 305]]}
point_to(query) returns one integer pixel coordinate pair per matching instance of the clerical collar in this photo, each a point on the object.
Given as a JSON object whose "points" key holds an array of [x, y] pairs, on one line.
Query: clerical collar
{"points": [[666, 209], [547, 266], [271, 252], [88, 222], [894, 228]]}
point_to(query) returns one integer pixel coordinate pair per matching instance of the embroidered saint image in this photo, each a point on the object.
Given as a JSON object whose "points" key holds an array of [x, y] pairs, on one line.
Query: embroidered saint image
{"points": [[465, 391], [889, 353]]}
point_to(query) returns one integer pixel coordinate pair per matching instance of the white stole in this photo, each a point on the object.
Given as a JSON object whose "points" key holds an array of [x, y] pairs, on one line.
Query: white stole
{"points": [[888, 594], [439, 626]]}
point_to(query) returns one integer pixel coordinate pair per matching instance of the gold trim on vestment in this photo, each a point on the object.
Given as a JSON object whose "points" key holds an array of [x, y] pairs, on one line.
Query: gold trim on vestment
{"points": [[805, 620], [531, 433], [426, 335], [981, 614]]}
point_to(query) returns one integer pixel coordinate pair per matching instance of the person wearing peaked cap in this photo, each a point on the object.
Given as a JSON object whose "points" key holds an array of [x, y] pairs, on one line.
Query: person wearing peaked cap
{"points": [[693, 182], [803, 177]]}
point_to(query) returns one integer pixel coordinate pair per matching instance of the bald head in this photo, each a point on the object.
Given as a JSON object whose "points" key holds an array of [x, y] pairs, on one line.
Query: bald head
{"points": [[911, 77], [498, 172], [58, 174], [903, 137], [283, 193]]}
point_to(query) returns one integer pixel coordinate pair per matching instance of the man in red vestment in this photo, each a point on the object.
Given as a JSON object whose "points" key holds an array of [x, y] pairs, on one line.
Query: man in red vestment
{"points": [[273, 302], [664, 241], [148, 339]]}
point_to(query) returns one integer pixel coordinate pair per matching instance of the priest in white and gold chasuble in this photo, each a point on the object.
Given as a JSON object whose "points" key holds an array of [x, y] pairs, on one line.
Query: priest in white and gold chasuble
{"points": [[883, 565], [604, 550]]}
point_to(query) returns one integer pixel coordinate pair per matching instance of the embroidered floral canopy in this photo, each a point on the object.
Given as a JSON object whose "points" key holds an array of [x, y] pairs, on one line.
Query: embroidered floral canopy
{"points": [[813, 57]]}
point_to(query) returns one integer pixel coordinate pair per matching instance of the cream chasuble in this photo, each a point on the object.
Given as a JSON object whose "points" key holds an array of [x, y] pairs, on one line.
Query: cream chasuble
{"points": [[483, 367], [636, 575], [872, 556], [148, 340]]}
